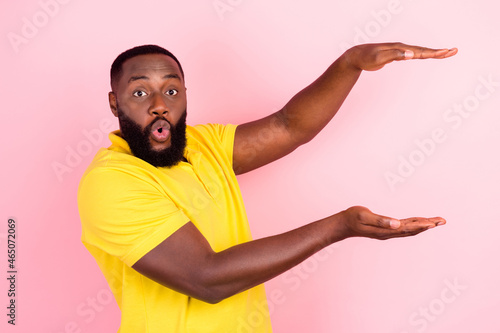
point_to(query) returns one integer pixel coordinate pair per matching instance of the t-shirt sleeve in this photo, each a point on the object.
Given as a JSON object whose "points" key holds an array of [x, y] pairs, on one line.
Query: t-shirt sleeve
{"points": [[124, 214], [222, 134], [226, 134]]}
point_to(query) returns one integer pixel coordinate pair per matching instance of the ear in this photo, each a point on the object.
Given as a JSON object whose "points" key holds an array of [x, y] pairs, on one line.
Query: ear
{"points": [[113, 105]]}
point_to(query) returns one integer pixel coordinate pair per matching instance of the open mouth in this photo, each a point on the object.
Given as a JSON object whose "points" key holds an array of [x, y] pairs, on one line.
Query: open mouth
{"points": [[160, 131]]}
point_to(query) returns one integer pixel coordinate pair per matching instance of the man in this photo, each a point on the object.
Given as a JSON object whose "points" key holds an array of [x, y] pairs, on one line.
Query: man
{"points": [[162, 212]]}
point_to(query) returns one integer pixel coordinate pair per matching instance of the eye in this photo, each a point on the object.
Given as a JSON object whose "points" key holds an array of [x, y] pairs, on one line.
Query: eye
{"points": [[172, 92], [139, 93]]}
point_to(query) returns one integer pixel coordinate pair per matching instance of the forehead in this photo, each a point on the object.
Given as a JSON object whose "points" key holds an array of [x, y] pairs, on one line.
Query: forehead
{"points": [[149, 65]]}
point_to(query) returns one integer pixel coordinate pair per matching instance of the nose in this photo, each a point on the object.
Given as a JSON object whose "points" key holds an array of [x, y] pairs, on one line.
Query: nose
{"points": [[158, 106]]}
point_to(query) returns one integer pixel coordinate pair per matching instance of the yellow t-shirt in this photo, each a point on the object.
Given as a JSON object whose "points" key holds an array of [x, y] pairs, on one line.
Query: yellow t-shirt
{"points": [[128, 207]]}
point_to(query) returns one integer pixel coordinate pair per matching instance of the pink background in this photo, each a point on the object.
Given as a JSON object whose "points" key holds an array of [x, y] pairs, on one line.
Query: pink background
{"points": [[244, 60]]}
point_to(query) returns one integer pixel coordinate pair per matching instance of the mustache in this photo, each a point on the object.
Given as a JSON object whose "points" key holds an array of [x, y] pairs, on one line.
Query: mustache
{"points": [[148, 127]]}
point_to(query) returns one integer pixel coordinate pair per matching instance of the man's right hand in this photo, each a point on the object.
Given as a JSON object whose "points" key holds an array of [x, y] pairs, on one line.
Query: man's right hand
{"points": [[359, 221], [186, 262]]}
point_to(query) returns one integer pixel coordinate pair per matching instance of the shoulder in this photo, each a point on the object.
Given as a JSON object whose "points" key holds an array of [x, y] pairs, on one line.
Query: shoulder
{"points": [[213, 139], [113, 174], [212, 132]]}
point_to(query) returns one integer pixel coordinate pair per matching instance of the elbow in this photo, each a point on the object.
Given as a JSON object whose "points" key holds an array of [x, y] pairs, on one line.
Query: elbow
{"points": [[211, 295], [213, 299], [213, 286]]}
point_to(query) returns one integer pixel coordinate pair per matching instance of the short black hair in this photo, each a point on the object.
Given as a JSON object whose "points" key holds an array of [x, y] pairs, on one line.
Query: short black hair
{"points": [[116, 67]]}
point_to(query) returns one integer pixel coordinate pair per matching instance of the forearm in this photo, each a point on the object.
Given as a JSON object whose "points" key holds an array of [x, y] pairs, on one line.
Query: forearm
{"points": [[249, 264], [312, 108]]}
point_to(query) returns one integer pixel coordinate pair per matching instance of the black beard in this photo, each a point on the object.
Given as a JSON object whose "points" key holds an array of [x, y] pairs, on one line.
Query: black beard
{"points": [[138, 141]]}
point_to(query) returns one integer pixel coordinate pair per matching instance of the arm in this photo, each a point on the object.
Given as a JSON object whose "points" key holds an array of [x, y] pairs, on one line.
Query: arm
{"points": [[311, 109], [186, 263]]}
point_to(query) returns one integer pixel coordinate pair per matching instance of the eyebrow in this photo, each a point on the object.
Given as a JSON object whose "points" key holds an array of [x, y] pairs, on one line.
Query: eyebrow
{"points": [[143, 77]]}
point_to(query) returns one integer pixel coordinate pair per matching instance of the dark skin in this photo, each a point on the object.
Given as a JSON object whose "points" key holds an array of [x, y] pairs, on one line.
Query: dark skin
{"points": [[152, 85]]}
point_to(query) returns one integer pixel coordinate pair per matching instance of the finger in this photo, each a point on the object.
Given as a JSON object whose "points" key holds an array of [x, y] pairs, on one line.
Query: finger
{"points": [[370, 219], [408, 227], [451, 52], [404, 51], [386, 56], [386, 222], [407, 230], [418, 52], [405, 233], [413, 229], [435, 221], [402, 231], [438, 221], [429, 53]]}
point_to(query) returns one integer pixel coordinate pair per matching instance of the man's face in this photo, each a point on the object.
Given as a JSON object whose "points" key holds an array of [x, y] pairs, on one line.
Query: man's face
{"points": [[150, 103]]}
